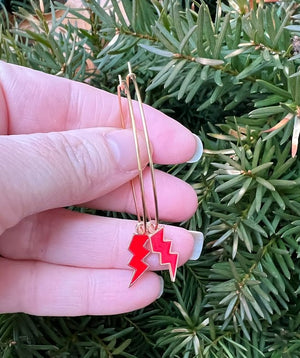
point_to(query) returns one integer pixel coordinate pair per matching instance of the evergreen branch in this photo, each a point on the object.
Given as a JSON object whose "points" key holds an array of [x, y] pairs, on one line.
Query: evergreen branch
{"points": [[249, 275], [145, 336], [128, 32], [251, 225]]}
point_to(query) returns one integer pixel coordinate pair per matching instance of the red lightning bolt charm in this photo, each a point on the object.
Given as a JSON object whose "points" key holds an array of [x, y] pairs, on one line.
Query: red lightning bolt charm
{"points": [[139, 252], [159, 245]]}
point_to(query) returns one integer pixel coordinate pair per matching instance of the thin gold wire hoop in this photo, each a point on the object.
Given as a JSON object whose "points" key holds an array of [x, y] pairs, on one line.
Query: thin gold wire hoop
{"points": [[124, 87], [131, 76]]}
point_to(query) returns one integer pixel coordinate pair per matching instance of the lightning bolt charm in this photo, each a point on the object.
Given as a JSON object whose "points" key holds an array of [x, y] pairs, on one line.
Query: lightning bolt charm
{"points": [[139, 252], [158, 244]]}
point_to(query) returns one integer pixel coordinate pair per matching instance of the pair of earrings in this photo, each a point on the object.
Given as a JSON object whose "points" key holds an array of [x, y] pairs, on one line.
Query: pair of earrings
{"points": [[149, 235]]}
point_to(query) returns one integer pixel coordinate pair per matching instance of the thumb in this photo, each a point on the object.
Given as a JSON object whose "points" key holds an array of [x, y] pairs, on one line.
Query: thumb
{"points": [[48, 170]]}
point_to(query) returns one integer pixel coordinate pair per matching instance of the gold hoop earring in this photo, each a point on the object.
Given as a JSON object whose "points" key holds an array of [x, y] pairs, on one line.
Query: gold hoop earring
{"points": [[149, 232]]}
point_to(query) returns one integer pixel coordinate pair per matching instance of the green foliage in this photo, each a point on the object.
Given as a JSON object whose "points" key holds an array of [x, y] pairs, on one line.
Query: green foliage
{"points": [[231, 78]]}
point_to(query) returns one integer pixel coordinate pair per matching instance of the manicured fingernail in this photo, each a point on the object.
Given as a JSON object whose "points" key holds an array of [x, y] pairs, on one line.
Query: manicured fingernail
{"points": [[121, 145], [198, 244], [162, 285], [198, 152]]}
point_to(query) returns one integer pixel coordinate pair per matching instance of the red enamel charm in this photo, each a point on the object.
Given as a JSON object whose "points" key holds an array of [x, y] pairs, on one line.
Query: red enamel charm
{"points": [[139, 252], [163, 247]]}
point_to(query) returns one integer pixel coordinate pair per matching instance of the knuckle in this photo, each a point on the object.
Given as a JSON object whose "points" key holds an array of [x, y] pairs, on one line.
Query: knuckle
{"points": [[31, 294], [91, 294], [82, 158], [117, 249], [30, 239]]}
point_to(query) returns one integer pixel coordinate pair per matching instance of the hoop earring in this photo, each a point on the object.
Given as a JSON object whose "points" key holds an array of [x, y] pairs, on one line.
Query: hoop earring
{"points": [[149, 232]]}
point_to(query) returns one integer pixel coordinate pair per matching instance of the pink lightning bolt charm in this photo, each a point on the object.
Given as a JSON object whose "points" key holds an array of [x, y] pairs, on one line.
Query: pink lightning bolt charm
{"points": [[159, 245], [139, 252]]}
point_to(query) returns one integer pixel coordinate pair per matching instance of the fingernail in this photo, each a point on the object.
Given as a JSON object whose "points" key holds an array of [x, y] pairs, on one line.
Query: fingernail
{"points": [[198, 244], [162, 285], [121, 144], [199, 150]]}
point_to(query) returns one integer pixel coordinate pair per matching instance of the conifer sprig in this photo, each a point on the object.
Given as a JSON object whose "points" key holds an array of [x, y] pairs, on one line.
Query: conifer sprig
{"points": [[234, 79]]}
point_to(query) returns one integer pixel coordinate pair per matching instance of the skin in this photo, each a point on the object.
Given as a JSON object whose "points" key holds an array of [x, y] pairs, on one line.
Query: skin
{"points": [[61, 144]]}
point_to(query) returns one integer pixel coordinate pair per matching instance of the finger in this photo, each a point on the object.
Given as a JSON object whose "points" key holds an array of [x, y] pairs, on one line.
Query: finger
{"points": [[177, 200], [51, 290], [49, 170], [70, 238], [60, 104]]}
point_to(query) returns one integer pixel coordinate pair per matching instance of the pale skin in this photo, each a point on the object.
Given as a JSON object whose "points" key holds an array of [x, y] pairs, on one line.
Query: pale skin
{"points": [[61, 144]]}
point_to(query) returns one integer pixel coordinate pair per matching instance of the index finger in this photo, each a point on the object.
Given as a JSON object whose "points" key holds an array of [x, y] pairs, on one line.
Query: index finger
{"points": [[33, 101]]}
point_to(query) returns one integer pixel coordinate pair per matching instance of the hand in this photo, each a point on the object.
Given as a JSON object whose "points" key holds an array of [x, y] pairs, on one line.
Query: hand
{"points": [[61, 144]]}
